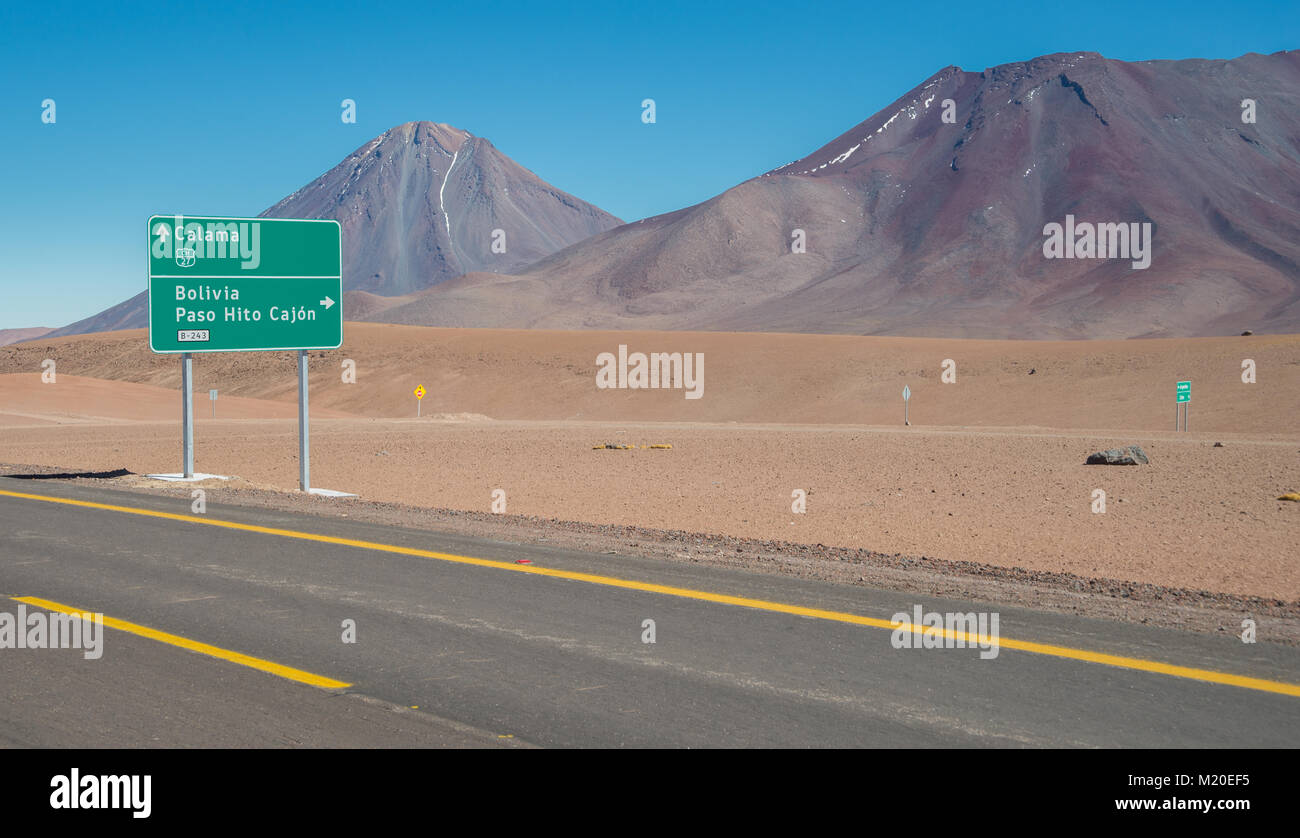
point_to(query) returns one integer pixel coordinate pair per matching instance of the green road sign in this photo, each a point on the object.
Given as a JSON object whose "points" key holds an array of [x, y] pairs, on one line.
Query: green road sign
{"points": [[1184, 391], [244, 284]]}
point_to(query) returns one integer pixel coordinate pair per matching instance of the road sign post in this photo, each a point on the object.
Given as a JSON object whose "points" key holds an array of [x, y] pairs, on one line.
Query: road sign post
{"points": [[419, 398], [1182, 397], [244, 285], [187, 414], [212, 397], [907, 395], [304, 428]]}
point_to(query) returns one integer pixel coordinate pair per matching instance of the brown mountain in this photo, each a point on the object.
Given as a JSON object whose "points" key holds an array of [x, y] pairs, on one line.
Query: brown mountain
{"points": [[419, 205], [8, 336], [917, 226]]}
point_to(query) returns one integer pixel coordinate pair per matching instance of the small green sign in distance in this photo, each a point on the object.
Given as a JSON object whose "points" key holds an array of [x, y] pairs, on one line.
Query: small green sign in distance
{"points": [[244, 284], [1184, 391]]}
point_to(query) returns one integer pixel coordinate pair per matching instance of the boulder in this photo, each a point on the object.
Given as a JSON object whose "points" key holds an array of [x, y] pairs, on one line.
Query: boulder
{"points": [[1131, 456]]}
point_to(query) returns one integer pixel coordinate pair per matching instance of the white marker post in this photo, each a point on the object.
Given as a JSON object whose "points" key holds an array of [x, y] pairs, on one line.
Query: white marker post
{"points": [[907, 394], [187, 414], [212, 396]]}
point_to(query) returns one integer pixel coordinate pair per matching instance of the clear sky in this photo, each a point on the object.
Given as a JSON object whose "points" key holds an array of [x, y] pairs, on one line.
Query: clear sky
{"points": [[224, 108]]}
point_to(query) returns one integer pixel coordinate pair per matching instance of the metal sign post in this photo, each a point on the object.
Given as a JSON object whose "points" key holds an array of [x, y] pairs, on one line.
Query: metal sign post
{"points": [[907, 395], [304, 447], [187, 413], [419, 398], [212, 396], [1182, 397]]}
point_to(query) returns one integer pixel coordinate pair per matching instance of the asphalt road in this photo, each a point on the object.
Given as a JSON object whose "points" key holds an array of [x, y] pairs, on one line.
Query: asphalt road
{"points": [[457, 653]]}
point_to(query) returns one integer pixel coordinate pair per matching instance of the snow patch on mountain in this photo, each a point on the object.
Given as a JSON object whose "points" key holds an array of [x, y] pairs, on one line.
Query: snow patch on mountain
{"points": [[441, 203]]}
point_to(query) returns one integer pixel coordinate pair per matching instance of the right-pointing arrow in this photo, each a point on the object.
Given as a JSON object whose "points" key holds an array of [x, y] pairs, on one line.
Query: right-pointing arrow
{"points": [[327, 302]]}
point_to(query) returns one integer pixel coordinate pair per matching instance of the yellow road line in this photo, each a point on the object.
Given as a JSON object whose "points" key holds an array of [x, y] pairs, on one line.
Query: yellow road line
{"points": [[1120, 661], [194, 646]]}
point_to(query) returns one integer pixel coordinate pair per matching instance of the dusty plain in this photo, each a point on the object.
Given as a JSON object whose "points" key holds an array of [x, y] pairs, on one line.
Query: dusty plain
{"points": [[991, 472]]}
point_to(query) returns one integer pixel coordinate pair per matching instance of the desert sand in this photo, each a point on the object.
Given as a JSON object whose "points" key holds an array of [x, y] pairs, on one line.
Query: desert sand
{"points": [[991, 470], [749, 377], [77, 400]]}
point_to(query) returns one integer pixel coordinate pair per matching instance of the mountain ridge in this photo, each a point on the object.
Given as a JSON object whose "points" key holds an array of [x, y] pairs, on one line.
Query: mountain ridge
{"points": [[913, 224], [916, 226], [419, 204]]}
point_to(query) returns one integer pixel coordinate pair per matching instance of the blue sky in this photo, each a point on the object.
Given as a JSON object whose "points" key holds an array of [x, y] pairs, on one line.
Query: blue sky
{"points": [[224, 108]]}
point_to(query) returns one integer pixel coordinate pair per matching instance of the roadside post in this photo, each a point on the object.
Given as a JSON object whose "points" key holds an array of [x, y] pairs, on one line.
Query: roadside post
{"points": [[212, 397], [304, 427], [1182, 396], [419, 398], [187, 415], [907, 395]]}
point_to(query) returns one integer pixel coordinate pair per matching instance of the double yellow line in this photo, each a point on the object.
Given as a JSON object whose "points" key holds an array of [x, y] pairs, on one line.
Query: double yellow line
{"points": [[1119, 661]]}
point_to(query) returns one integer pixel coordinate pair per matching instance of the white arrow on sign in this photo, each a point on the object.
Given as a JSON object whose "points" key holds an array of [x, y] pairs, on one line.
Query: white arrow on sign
{"points": [[327, 302]]}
